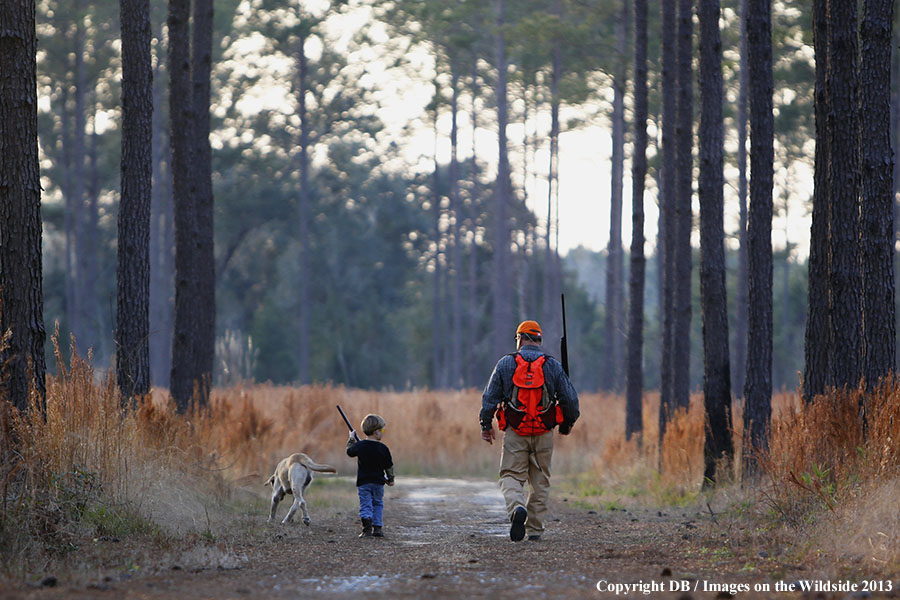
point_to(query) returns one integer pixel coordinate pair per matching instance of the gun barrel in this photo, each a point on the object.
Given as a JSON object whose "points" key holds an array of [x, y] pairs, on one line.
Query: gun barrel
{"points": [[343, 416], [563, 342]]}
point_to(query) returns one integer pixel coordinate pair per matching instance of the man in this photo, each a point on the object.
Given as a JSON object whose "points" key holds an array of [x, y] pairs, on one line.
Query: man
{"points": [[534, 395]]}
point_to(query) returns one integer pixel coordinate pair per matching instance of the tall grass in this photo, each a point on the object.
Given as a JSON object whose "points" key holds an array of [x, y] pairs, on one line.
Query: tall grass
{"points": [[92, 467]]}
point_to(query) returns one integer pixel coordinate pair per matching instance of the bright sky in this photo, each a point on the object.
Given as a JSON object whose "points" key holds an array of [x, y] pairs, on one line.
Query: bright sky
{"points": [[585, 153]]}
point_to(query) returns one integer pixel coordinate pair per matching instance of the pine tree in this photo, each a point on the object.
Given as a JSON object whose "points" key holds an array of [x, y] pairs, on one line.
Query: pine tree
{"points": [[758, 384], [634, 383], [133, 271], [21, 293], [713, 302]]}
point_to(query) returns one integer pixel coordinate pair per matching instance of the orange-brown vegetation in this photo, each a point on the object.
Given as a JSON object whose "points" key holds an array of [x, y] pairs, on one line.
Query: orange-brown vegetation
{"points": [[90, 463]]}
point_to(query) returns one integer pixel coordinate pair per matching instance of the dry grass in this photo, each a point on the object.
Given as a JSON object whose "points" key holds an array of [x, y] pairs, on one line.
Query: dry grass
{"points": [[833, 475], [94, 468]]}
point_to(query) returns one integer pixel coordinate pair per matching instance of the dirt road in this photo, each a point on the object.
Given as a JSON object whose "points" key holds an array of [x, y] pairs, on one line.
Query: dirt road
{"points": [[448, 538]]}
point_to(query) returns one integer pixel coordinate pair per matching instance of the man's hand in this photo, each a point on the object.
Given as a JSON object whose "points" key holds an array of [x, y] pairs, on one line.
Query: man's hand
{"points": [[565, 429], [488, 435]]}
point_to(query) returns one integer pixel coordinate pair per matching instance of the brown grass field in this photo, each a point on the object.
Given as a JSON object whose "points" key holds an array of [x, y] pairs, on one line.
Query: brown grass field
{"points": [[829, 487]]}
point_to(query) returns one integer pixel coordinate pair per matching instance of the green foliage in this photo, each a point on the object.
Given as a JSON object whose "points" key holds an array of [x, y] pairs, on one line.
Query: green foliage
{"points": [[373, 236]]}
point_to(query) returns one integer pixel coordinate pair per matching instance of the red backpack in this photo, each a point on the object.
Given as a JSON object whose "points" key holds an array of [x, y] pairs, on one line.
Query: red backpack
{"points": [[529, 411]]}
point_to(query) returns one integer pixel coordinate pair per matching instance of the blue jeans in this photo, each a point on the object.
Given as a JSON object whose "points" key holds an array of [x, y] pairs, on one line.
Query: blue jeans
{"points": [[371, 502]]}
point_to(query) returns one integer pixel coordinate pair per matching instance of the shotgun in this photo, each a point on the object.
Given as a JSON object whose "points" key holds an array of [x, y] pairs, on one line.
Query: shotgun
{"points": [[347, 421], [563, 346]]}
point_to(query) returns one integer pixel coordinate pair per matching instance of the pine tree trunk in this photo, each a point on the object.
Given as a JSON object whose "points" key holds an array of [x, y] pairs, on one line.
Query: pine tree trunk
{"points": [[161, 247], [205, 309], [667, 211], [80, 214], [895, 189], [21, 295], [877, 210], [817, 373], [181, 119], [437, 333], [70, 216], [133, 269], [758, 385], [550, 252], [615, 296], [304, 199], [634, 382], [713, 299], [681, 332], [502, 309], [100, 324], [472, 374], [739, 359], [844, 277], [456, 338]]}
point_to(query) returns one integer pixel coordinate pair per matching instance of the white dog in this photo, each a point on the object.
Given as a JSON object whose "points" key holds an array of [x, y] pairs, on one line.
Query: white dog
{"points": [[292, 476]]}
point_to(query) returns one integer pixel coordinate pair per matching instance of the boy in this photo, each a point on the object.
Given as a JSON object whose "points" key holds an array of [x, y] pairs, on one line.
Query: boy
{"points": [[375, 469]]}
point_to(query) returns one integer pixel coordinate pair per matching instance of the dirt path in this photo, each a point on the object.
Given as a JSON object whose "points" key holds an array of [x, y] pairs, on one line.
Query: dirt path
{"points": [[448, 538]]}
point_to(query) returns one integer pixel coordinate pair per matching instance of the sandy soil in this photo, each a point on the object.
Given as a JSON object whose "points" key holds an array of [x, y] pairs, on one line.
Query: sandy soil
{"points": [[448, 538]]}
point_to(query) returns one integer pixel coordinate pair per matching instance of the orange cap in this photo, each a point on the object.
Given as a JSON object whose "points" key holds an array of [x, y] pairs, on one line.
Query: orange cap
{"points": [[530, 327]]}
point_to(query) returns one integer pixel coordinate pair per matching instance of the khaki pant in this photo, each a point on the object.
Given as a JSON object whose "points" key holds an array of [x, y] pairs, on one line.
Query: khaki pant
{"points": [[526, 459]]}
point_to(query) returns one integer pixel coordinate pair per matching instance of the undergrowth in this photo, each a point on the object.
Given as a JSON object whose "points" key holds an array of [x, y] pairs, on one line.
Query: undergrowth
{"points": [[93, 468]]}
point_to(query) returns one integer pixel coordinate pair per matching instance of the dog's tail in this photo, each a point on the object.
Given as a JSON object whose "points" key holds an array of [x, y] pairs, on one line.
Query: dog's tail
{"points": [[313, 466], [270, 480]]}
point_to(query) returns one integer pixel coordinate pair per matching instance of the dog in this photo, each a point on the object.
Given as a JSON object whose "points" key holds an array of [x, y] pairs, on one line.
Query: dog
{"points": [[292, 476]]}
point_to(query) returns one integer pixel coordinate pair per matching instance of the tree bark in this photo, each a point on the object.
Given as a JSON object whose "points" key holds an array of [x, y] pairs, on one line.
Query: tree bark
{"points": [[681, 332], [133, 269], [877, 210], [739, 359], [502, 309], [844, 277], [472, 313], [21, 295], [161, 235], [758, 385], [437, 333], [205, 310], [634, 383], [550, 251], [713, 299], [181, 133], [817, 373], [615, 295], [895, 189], [304, 199], [456, 338], [80, 215], [667, 210]]}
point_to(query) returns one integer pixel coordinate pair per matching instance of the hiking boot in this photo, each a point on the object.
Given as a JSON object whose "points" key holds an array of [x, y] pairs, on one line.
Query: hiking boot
{"points": [[376, 531], [517, 527], [367, 528]]}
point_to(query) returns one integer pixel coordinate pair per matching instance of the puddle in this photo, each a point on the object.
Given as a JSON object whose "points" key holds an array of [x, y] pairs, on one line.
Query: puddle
{"points": [[358, 583]]}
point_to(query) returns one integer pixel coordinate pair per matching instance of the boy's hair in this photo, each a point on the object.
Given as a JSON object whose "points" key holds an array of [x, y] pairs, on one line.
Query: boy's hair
{"points": [[372, 423]]}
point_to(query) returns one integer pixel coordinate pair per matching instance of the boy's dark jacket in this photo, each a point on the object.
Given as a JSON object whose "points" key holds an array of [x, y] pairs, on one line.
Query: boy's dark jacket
{"points": [[375, 462]]}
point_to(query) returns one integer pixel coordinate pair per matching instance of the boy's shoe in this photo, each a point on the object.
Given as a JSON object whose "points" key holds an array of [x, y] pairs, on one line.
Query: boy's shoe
{"points": [[376, 531], [517, 527], [367, 528]]}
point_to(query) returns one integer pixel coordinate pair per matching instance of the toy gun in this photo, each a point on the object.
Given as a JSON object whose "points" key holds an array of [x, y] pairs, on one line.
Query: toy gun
{"points": [[563, 346], [347, 421]]}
